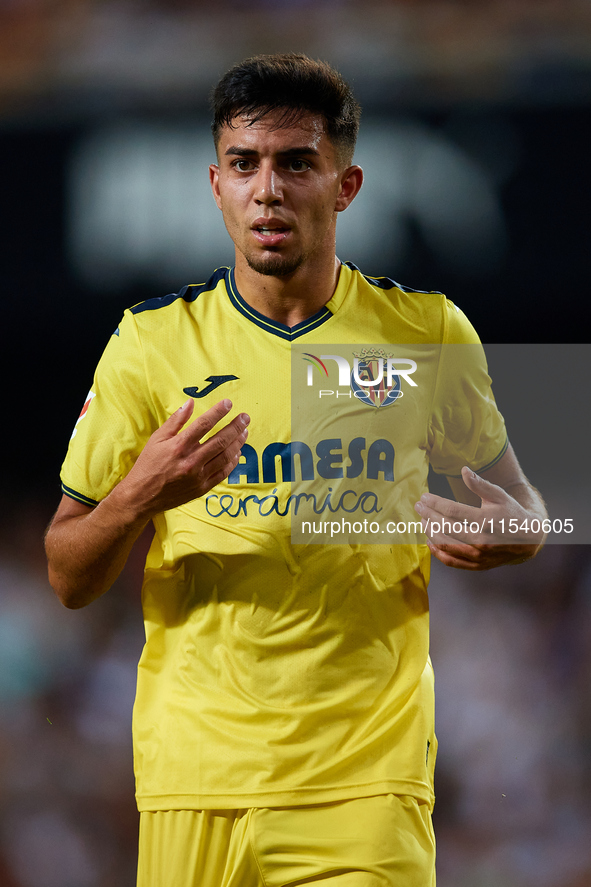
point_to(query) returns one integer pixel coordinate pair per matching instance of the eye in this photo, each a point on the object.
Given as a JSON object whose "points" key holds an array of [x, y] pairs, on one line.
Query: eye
{"points": [[242, 164], [296, 164]]}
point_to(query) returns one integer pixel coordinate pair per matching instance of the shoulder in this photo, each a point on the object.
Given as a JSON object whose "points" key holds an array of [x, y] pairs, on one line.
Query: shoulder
{"points": [[387, 290], [387, 284], [427, 314], [154, 310]]}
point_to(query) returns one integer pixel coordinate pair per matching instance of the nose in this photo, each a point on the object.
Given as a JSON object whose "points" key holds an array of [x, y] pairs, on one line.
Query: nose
{"points": [[268, 186]]}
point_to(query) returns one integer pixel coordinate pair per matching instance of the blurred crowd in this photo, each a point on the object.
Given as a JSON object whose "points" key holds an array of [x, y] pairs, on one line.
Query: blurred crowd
{"points": [[512, 656], [67, 681], [450, 48]]}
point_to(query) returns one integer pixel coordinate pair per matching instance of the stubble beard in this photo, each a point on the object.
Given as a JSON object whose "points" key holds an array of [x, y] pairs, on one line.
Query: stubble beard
{"points": [[275, 265]]}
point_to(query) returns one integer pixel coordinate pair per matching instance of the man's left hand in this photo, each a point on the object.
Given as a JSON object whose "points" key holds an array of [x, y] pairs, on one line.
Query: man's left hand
{"points": [[472, 538]]}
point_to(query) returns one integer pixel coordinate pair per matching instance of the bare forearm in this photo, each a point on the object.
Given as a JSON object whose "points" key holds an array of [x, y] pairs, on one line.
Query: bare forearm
{"points": [[87, 551]]}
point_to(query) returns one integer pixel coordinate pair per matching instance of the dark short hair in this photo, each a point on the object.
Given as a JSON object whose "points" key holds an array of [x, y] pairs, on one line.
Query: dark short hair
{"points": [[293, 84]]}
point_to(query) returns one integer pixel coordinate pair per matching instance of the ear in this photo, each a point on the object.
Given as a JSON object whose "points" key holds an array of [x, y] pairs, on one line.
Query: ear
{"points": [[214, 181], [351, 181]]}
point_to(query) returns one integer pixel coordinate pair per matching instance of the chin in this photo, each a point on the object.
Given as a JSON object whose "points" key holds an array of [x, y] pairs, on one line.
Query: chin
{"points": [[274, 265]]}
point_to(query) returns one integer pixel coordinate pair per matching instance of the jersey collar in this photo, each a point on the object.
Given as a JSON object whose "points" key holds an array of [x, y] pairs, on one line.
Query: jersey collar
{"points": [[273, 326]]}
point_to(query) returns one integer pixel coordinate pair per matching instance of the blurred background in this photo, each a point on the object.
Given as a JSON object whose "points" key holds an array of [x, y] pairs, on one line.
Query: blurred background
{"points": [[475, 142]]}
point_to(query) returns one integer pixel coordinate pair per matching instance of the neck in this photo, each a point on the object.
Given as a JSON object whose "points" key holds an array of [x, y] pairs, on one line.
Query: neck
{"points": [[290, 299]]}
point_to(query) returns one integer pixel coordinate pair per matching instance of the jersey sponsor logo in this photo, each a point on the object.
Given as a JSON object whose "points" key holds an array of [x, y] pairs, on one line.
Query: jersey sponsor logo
{"points": [[214, 382], [373, 462], [327, 462], [374, 380], [235, 506], [89, 398]]}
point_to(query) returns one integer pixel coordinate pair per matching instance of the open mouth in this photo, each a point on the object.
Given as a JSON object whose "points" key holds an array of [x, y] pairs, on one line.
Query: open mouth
{"points": [[269, 232], [270, 235]]}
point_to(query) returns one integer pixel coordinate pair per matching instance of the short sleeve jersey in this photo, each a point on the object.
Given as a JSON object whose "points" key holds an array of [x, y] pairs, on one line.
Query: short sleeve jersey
{"points": [[277, 673]]}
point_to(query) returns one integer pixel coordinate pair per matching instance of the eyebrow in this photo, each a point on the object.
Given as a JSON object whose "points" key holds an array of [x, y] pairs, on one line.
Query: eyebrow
{"points": [[289, 152]]}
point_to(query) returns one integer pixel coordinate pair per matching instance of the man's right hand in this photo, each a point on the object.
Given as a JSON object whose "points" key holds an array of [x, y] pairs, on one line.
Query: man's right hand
{"points": [[175, 467], [87, 547]]}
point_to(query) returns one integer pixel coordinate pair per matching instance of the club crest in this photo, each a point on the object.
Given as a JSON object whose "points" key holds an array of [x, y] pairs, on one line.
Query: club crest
{"points": [[369, 380]]}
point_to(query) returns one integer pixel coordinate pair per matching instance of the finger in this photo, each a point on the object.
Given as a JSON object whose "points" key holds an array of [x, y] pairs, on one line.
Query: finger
{"points": [[442, 535], [448, 508], [451, 552], [220, 467], [206, 421], [444, 532], [468, 537], [459, 549], [234, 432], [174, 423], [483, 488], [215, 454], [484, 557], [454, 558]]}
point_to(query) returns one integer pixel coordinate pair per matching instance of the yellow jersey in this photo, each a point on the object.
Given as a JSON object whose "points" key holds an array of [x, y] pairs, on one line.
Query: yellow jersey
{"points": [[277, 673]]}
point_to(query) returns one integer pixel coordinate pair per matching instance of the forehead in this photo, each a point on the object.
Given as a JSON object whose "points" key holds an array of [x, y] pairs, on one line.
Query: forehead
{"points": [[270, 135]]}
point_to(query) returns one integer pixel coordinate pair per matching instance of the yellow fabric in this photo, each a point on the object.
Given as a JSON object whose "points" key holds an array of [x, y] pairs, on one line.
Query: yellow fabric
{"points": [[273, 674], [367, 842]]}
